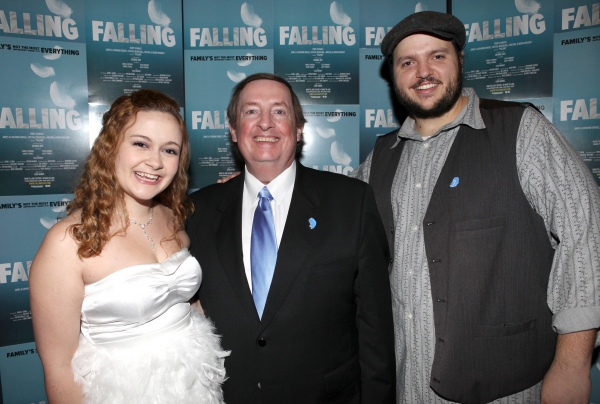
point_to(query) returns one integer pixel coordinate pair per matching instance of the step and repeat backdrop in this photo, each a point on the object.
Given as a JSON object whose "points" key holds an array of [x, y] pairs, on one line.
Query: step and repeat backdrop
{"points": [[63, 62]]}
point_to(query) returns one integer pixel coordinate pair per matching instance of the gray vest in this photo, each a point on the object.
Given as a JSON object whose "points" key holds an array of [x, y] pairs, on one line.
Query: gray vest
{"points": [[489, 261]]}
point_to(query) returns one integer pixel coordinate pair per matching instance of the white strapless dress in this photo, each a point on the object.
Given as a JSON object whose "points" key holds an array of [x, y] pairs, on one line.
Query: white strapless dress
{"points": [[141, 342]]}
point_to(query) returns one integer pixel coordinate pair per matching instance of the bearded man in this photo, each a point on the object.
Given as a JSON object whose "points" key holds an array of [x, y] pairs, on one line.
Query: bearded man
{"points": [[494, 224]]}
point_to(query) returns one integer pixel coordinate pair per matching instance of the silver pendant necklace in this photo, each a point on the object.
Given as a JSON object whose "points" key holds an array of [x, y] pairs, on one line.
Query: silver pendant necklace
{"points": [[143, 227]]}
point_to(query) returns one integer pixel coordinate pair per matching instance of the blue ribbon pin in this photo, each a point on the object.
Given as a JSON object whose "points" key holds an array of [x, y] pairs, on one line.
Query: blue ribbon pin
{"points": [[454, 182], [312, 223]]}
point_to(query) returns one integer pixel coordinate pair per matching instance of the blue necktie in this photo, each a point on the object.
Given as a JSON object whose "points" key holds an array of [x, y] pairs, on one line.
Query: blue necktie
{"points": [[263, 250]]}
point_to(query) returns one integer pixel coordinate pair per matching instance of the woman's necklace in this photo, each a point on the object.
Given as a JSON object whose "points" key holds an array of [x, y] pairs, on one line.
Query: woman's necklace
{"points": [[143, 227]]}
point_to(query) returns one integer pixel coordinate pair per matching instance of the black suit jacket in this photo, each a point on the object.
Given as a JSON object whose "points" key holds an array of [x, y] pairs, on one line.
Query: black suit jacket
{"points": [[326, 335]]}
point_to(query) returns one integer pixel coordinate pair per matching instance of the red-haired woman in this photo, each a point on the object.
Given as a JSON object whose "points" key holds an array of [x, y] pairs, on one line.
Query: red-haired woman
{"points": [[111, 283]]}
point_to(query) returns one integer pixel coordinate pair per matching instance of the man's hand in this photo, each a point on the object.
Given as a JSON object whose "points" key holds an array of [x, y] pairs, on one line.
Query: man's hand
{"points": [[225, 179], [568, 379]]}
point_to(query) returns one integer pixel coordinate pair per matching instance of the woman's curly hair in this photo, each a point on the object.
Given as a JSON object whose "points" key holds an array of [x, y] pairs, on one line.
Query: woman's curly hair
{"points": [[99, 195]]}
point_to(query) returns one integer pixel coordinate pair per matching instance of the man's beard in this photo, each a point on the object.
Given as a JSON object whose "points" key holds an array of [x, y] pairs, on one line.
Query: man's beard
{"points": [[449, 98]]}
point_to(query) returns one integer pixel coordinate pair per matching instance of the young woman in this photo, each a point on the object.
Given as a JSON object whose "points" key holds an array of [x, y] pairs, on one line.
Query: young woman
{"points": [[111, 283]]}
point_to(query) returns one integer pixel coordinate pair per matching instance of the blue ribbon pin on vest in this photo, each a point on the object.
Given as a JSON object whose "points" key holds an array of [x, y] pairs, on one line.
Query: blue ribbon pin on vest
{"points": [[312, 223], [454, 182]]}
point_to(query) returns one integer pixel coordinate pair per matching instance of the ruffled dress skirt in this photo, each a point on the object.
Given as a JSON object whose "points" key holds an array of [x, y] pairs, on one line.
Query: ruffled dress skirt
{"points": [[183, 365]]}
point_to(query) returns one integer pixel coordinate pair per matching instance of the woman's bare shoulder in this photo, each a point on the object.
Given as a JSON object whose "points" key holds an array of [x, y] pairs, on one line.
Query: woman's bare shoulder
{"points": [[59, 240]]}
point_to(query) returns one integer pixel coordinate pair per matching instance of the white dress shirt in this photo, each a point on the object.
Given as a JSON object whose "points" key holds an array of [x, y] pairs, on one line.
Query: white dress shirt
{"points": [[281, 189]]}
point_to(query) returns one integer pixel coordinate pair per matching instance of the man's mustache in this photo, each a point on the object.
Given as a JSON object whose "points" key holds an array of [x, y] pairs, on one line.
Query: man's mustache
{"points": [[429, 80]]}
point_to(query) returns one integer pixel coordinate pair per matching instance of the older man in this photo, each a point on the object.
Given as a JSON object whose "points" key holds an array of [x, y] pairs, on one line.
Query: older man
{"points": [[295, 266], [494, 222]]}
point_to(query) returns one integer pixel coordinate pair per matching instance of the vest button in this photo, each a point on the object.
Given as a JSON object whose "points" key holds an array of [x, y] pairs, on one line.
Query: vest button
{"points": [[436, 261], [430, 223], [262, 342]]}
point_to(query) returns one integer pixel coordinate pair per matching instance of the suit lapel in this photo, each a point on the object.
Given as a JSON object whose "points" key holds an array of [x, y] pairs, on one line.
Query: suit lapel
{"points": [[295, 243], [228, 239]]}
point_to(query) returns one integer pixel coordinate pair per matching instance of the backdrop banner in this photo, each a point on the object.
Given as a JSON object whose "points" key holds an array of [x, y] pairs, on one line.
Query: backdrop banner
{"points": [[63, 63], [212, 74], [140, 46], [508, 54], [43, 117], [331, 138], [22, 374], [316, 49], [225, 42], [576, 111], [379, 113], [25, 221]]}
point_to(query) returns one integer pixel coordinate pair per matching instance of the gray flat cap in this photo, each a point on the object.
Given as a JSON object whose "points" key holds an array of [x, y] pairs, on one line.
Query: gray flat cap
{"points": [[442, 25]]}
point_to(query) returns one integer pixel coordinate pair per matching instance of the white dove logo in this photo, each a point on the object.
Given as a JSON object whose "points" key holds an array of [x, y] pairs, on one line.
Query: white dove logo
{"points": [[236, 77], [53, 56], [156, 14], [420, 7], [250, 35], [527, 6], [249, 17], [339, 34], [48, 222], [246, 61], [59, 7], [60, 98], [338, 16], [325, 133], [336, 117], [42, 71], [338, 155]]}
